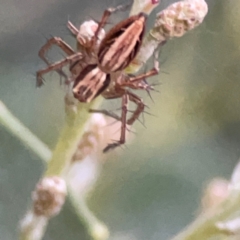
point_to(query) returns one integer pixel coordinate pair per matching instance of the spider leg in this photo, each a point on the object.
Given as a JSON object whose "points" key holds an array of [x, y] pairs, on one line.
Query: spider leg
{"points": [[105, 112], [72, 29], [112, 93], [154, 71], [135, 114], [137, 82], [61, 44], [123, 126], [107, 13], [140, 107], [56, 66], [54, 41]]}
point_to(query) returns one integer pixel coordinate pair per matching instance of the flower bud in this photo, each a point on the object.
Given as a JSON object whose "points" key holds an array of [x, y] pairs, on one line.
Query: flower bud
{"points": [[179, 18], [216, 192], [87, 31], [48, 199], [230, 227], [93, 138], [49, 196]]}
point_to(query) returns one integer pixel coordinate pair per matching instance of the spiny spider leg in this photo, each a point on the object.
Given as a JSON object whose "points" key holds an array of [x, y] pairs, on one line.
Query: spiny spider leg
{"points": [[61, 44], [54, 41], [107, 113], [123, 126], [127, 96], [107, 13], [136, 82], [119, 90], [135, 114], [56, 66], [72, 28], [140, 107], [152, 72], [140, 77]]}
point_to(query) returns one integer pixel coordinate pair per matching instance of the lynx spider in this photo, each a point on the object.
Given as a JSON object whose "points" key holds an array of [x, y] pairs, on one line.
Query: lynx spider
{"points": [[119, 81]]}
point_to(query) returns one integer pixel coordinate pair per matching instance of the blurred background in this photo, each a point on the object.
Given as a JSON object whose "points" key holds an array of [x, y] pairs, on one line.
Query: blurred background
{"points": [[153, 188]]}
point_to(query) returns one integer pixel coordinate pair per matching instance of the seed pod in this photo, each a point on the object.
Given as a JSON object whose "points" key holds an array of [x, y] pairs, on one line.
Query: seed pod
{"points": [[90, 83], [121, 44]]}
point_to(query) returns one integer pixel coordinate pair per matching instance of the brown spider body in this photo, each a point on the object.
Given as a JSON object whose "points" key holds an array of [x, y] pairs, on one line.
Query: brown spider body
{"points": [[98, 66], [117, 49], [90, 83], [121, 44]]}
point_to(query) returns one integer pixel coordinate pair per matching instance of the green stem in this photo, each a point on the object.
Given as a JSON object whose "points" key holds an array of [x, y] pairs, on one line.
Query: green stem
{"points": [[70, 137], [204, 227], [14, 126], [97, 230]]}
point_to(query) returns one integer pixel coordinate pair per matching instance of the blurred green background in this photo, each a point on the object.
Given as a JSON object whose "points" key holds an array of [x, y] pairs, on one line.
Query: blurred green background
{"points": [[151, 189]]}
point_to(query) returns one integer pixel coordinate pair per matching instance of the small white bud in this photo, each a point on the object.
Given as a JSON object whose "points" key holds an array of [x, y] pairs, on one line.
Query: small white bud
{"points": [[230, 227], [215, 193], [99, 232], [32, 226], [87, 31]]}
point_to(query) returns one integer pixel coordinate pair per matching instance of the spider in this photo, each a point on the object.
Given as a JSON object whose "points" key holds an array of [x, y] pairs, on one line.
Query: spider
{"points": [[111, 53], [97, 66]]}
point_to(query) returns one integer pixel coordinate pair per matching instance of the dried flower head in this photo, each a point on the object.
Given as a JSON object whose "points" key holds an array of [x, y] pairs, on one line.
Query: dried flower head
{"points": [[174, 21], [49, 196], [179, 18], [93, 138]]}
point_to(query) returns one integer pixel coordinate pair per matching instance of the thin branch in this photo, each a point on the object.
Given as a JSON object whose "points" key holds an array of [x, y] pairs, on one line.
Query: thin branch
{"points": [[70, 137], [205, 226], [14, 126]]}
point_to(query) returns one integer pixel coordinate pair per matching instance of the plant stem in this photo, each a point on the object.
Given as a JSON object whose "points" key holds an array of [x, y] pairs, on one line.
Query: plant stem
{"points": [[204, 227], [97, 230], [14, 126], [70, 137]]}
